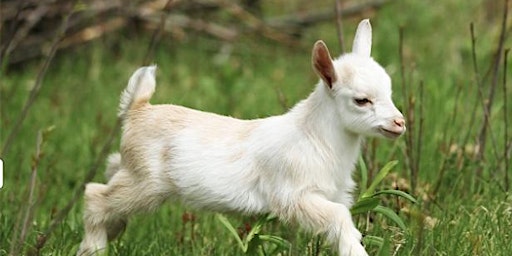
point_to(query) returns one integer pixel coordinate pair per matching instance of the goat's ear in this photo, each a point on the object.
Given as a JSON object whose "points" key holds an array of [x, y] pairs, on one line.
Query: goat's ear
{"points": [[322, 63], [363, 39]]}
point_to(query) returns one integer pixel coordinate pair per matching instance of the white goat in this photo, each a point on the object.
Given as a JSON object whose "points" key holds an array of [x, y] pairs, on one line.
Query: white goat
{"points": [[296, 166]]}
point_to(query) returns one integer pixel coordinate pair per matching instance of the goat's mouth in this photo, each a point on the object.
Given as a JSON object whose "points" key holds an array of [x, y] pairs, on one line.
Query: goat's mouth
{"points": [[391, 134]]}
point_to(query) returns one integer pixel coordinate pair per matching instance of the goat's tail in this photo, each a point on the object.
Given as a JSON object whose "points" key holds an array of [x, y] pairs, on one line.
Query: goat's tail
{"points": [[141, 87]]}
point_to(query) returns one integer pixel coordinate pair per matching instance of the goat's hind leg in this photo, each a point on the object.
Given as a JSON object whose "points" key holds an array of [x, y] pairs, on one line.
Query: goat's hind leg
{"points": [[95, 237], [107, 207]]}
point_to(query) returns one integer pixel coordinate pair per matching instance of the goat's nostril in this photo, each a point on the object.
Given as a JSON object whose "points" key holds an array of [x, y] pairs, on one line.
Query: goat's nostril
{"points": [[400, 122]]}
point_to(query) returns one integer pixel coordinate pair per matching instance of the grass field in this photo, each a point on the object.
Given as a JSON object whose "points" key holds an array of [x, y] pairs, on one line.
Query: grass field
{"points": [[464, 200]]}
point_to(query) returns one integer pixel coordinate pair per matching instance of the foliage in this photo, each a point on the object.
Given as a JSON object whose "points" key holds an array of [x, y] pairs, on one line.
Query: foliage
{"points": [[370, 201], [252, 243], [463, 204]]}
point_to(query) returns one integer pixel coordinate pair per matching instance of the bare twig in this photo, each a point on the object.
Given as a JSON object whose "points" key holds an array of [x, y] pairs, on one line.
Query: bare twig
{"points": [[478, 81], [21, 32], [488, 103], [17, 246], [38, 20], [91, 173], [31, 24], [339, 24], [480, 148], [18, 242], [256, 24], [419, 135], [506, 157], [34, 92], [182, 21], [93, 32], [158, 33], [402, 64], [29, 29], [409, 105], [446, 156], [313, 17], [413, 137]]}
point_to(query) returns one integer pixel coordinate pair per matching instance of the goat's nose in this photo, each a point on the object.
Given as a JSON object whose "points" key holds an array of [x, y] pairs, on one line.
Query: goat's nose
{"points": [[400, 122]]}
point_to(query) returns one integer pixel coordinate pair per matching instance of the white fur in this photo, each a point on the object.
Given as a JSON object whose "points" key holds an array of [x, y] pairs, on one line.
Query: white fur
{"points": [[142, 83], [297, 165], [363, 39]]}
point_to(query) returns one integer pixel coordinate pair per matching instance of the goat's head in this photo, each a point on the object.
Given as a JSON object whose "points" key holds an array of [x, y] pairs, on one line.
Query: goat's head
{"points": [[360, 88]]}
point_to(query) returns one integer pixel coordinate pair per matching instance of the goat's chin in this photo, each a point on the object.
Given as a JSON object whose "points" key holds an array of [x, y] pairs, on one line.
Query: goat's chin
{"points": [[388, 134]]}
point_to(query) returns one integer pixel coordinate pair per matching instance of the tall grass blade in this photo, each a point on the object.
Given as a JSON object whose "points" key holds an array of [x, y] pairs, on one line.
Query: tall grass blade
{"points": [[231, 230], [385, 248], [279, 241], [373, 241], [396, 193], [364, 205], [390, 214], [378, 178], [252, 239], [364, 175]]}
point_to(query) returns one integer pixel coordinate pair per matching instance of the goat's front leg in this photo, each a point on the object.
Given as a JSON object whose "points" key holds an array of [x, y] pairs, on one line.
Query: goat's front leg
{"points": [[320, 215]]}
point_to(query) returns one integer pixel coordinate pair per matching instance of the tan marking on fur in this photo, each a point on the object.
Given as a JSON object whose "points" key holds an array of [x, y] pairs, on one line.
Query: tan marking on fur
{"points": [[167, 153], [237, 156], [163, 122]]}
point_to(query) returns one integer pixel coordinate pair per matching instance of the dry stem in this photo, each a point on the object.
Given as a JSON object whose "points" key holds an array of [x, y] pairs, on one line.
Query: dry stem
{"points": [[507, 144], [488, 103], [339, 24], [18, 242], [34, 92], [91, 173]]}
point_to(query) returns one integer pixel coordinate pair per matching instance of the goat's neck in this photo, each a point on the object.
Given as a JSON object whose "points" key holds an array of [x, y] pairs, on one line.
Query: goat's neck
{"points": [[319, 118]]}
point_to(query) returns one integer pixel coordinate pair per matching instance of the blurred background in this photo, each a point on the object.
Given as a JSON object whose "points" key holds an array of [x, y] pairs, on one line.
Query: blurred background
{"points": [[64, 64]]}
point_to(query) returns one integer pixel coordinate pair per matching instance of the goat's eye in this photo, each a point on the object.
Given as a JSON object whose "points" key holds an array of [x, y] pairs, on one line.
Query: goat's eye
{"points": [[362, 101]]}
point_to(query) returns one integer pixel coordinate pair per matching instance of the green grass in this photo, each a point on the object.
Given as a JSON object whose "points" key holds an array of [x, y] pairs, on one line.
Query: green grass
{"points": [[468, 214]]}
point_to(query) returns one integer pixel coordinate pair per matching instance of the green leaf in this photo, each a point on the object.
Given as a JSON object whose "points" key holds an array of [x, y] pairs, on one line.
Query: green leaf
{"points": [[364, 205], [380, 176], [390, 214], [255, 229], [385, 248], [397, 193], [373, 241], [253, 244], [232, 230], [281, 242], [270, 217]]}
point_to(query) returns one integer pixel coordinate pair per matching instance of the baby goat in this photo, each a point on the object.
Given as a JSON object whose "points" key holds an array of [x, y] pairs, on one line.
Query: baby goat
{"points": [[296, 166]]}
